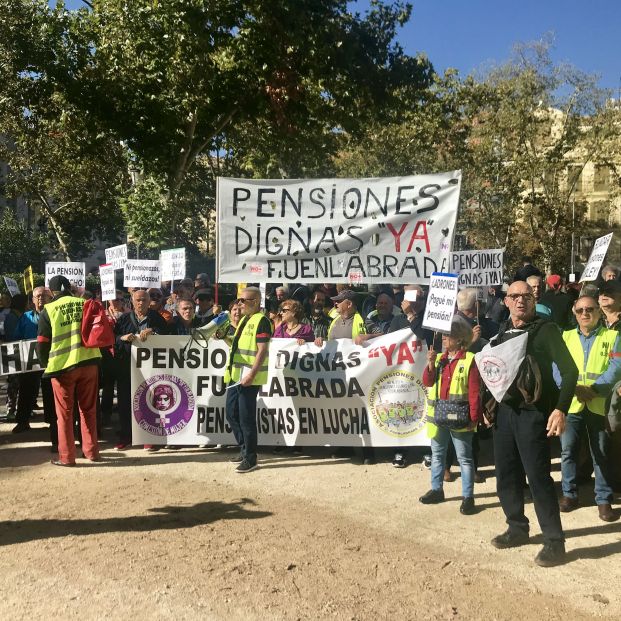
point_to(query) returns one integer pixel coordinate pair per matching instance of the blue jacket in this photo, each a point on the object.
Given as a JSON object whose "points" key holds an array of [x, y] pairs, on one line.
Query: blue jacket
{"points": [[27, 326]]}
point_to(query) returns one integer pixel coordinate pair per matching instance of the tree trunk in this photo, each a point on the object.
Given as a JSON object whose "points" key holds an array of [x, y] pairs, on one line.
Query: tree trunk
{"points": [[56, 227]]}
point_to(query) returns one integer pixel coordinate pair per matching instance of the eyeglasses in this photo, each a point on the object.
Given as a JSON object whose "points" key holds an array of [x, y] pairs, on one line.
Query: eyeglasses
{"points": [[517, 296], [246, 300], [585, 309]]}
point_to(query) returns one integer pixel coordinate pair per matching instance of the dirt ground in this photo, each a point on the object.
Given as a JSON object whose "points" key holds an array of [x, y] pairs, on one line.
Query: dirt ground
{"points": [[178, 534]]}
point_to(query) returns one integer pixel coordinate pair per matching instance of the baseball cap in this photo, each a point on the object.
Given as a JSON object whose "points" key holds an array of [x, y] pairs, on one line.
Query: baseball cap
{"points": [[610, 288], [206, 293], [346, 294], [60, 283]]}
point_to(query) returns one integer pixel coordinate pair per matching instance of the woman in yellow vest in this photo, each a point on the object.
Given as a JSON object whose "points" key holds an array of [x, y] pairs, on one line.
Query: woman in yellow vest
{"points": [[452, 378]]}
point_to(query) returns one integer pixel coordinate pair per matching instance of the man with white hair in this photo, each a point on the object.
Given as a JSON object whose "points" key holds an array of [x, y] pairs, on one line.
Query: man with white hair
{"points": [[482, 328], [610, 272]]}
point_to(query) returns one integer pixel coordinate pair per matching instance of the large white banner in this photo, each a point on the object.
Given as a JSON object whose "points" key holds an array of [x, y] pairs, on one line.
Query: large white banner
{"points": [[478, 268], [74, 272], [19, 357], [339, 395], [391, 230]]}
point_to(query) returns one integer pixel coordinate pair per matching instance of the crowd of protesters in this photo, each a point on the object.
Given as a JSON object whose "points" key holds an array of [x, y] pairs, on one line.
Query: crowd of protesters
{"points": [[569, 384]]}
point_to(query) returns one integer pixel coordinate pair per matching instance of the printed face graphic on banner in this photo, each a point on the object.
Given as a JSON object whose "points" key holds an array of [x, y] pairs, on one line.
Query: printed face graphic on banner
{"points": [[397, 402], [163, 405]]}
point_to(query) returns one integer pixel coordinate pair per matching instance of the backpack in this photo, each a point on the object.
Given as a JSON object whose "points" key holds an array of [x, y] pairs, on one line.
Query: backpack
{"points": [[96, 329]]}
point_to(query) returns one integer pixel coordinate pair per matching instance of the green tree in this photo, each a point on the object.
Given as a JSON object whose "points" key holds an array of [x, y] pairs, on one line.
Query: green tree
{"points": [[60, 159], [177, 79], [540, 125], [20, 246]]}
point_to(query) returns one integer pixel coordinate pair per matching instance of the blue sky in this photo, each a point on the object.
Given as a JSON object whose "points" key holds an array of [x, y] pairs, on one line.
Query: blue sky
{"points": [[470, 34]]}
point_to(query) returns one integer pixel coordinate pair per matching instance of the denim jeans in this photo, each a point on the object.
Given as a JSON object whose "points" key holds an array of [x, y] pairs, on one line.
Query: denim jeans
{"points": [[598, 443], [241, 415], [462, 440]]}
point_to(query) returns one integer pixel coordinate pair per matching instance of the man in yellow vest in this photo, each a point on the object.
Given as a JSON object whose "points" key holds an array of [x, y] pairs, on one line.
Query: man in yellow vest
{"points": [[246, 372], [348, 323], [595, 350], [73, 369]]}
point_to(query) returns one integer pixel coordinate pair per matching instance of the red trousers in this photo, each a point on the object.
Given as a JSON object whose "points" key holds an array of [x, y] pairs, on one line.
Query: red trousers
{"points": [[81, 384]]}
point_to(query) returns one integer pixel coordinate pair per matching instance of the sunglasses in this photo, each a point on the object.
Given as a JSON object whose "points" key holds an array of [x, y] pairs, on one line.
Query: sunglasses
{"points": [[284, 310], [585, 309], [246, 300]]}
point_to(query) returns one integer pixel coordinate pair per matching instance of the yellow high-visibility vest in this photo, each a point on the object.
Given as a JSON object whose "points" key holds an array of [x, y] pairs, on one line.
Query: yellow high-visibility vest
{"points": [[357, 326], [246, 352], [458, 389], [66, 349], [597, 363]]}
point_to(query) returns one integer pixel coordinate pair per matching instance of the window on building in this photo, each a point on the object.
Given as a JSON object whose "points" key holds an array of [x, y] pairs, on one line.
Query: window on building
{"points": [[601, 179], [599, 211]]}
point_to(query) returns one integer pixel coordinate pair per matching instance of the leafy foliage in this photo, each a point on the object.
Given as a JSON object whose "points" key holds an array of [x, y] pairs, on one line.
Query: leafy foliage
{"points": [[20, 247]]}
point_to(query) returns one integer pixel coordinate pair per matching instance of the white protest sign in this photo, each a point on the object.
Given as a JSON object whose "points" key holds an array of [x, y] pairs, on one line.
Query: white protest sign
{"points": [[499, 365], [108, 282], [390, 230], [441, 302], [142, 273], [116, 256], [19, 357], [598, 254], [339, 395], [11, 285], [172, 264], [477, 268], [75, 273]]}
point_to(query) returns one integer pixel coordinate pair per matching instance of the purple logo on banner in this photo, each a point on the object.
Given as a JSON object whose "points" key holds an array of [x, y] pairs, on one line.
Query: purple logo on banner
{"points": [[163, 405]]}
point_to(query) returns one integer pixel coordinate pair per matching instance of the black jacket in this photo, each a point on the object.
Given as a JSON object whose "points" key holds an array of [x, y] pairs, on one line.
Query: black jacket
{"points": [[128, 324], [546, 345]]}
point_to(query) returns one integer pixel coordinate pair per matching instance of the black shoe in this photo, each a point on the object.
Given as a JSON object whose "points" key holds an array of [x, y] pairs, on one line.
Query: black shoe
{"points": [[20, 428], [432, 497], [246, 466], [552, 554], [467, 506], [399, 461], [510, 539], [237, 459]]}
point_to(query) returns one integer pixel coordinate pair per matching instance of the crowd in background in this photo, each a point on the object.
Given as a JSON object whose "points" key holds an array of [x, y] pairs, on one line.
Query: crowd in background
{"points": [[578, 315]]}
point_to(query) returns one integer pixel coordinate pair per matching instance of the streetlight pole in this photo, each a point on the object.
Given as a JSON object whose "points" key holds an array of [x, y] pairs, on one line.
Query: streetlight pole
{"points": [[573, 231]]}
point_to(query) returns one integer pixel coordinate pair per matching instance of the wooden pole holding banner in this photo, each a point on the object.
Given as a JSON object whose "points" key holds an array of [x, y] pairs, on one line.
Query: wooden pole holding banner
{"points": [[217, 279]]}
